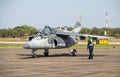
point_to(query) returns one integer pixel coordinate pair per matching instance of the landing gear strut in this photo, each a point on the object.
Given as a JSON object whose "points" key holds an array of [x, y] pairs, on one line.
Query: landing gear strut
{"points": [[33, 53]]}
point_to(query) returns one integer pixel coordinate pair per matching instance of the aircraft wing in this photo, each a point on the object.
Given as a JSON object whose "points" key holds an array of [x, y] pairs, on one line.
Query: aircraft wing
{"points": [[62, 33], [82, 36]]}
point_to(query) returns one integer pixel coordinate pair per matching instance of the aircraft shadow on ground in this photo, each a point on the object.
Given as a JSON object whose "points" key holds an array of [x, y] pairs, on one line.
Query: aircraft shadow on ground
{"points": [[28, 56]]}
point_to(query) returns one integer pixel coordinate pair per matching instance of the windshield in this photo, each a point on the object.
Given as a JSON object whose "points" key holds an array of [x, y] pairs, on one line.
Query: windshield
{"points": [[39, 34]]}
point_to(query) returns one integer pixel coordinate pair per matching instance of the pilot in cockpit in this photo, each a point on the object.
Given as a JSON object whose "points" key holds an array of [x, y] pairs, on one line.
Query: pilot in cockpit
{"points": [[46, 31]]}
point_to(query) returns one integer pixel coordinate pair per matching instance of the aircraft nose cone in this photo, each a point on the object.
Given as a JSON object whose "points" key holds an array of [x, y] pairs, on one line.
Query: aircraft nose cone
{"points": [[26, 46]]}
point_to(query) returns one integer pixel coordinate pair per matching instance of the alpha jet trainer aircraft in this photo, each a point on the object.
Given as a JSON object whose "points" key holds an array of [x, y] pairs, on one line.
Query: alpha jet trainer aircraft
{"points": [[51, 38]]}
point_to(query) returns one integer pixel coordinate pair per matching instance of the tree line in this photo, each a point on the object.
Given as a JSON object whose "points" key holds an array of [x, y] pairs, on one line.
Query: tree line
{"points": [[19, 31], [26, 30], [112, 32]]}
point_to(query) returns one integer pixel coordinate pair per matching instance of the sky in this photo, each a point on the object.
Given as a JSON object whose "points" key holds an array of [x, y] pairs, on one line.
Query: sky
{"points": [[55, 13]]}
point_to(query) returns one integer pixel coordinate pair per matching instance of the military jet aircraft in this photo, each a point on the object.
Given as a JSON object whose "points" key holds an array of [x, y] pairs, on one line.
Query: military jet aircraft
{"points": [[51, 38]]}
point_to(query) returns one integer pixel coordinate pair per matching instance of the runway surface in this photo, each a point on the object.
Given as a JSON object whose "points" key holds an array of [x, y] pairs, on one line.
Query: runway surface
{"points": [[19, 63]]}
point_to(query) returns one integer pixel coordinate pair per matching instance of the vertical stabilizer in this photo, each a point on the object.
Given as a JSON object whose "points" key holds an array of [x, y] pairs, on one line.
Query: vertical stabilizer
{"points": [[77, 26]]}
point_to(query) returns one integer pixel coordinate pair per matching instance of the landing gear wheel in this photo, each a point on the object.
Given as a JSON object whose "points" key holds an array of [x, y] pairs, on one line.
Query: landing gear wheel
{"points": [[46, 52], [34, 55], [74, 53]]}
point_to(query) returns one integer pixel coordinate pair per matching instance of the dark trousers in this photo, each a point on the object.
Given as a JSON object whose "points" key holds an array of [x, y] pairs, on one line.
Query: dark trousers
{"points": [[90, 53]]}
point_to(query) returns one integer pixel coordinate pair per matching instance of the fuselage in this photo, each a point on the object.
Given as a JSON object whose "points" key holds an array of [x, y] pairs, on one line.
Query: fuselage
{"points": [[50, 42], [51, 38]]}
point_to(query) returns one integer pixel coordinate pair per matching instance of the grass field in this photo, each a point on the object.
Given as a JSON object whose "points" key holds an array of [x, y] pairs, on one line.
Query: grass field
{"points": [[75, 46], [12, 39], [96, 46], [11, 45], [23, 40]]}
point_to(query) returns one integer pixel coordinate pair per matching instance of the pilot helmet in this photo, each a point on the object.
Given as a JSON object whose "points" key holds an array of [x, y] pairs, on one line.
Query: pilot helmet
{"points": [[89, 37]]}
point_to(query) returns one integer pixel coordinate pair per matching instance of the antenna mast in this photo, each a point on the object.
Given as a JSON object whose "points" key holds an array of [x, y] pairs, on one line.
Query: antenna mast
{"points": [[107, 23]]}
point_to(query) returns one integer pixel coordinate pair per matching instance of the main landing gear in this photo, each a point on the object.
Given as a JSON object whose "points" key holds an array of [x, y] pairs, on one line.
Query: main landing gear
{"points": [[45, 51], [73, 52]]}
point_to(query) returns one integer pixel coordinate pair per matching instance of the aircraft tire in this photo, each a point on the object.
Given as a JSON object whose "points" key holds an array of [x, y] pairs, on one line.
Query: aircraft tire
{"points": [[46, 53], [34, 55], [74, 53]]}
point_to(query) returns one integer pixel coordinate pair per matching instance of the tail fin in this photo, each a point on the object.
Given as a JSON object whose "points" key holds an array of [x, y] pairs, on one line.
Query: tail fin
{"points": [[77, 26]]}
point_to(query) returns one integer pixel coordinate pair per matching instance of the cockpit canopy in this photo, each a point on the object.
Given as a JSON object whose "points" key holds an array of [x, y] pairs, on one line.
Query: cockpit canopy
{"points": [[48, 30], [45, 32]]}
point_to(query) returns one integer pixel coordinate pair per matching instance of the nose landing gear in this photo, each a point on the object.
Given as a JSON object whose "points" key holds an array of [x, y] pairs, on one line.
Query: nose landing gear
{"points": [[33, 53]]}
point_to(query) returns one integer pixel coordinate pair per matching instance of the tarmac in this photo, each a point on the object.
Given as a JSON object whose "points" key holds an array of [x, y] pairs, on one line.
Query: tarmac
{"points": [[17, 62]]}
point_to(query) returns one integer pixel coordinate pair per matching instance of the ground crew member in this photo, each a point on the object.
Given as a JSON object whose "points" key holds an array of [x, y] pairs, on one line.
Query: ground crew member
{"points": [[90, 46]]}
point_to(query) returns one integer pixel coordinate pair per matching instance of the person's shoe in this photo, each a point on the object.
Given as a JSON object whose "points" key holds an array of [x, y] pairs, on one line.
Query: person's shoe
{"points": [[90, 58]]}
